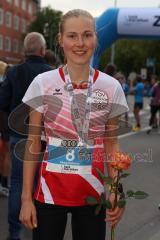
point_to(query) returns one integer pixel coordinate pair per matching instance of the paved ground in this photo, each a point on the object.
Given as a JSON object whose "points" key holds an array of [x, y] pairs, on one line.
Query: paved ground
{"points": [[142, 217]]}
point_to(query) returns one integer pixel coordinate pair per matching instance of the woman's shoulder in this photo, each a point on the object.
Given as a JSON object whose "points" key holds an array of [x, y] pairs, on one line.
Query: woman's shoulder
{"points": [[108, 80], [48, 75]]}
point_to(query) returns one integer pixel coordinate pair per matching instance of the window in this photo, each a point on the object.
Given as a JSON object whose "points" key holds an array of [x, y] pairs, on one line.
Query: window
{"points": [[15, 46], [1, 42], [23, 26], [9, 1], [16, 3], [24, 5], [16, 22], [8, 19], [1, 16], [7, 44], [30, 10]]}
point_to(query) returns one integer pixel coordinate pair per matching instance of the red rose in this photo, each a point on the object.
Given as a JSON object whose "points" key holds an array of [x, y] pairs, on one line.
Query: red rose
{"points": [[120, 161]]}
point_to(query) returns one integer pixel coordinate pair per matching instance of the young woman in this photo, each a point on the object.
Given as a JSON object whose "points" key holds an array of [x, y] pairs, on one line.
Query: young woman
{"points": [[76, 104]]}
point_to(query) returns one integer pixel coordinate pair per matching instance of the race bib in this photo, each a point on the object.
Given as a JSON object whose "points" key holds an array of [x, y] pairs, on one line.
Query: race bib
{"points": [[69, 158]]}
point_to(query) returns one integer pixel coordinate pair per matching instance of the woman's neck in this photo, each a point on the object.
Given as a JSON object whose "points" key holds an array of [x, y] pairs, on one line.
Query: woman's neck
{"points": [[78, 73]]}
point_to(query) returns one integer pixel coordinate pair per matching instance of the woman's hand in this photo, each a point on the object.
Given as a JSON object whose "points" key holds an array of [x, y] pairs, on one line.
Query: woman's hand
{"points": [[28, 214], [114, 215]]}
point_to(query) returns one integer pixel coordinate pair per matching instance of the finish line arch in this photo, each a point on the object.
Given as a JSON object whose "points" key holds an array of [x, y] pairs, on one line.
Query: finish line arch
{"points": [[115, 23]]}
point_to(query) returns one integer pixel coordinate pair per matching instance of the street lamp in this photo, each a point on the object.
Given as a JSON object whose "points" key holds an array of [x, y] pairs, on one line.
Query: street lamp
{"points": [[113, 45]]}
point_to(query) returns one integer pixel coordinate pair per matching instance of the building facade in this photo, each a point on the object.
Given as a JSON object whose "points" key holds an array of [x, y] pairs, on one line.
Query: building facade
{"points": [[15, 17]]}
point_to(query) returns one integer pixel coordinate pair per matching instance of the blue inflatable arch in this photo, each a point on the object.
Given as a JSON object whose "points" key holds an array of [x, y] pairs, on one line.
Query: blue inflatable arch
{"points": [[117, 23]]}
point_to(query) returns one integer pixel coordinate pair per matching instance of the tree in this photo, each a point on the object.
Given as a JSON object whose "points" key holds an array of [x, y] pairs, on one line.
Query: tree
{"points": [[47, 22], [131, 55]]}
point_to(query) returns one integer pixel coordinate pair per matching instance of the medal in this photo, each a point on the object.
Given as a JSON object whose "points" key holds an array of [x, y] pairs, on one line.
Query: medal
{"points": [[82, 129]]}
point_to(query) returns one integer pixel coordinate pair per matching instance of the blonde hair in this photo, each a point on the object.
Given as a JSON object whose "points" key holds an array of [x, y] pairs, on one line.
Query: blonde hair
{"points": [[74, 13]]}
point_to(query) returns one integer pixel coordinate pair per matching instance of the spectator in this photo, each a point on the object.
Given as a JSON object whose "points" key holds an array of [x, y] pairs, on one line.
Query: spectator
{"points": [[12, 90], [155, 105], [50, 58], [110, 69], [4, 137], [122, 80], [3, 67], [138, 91]]}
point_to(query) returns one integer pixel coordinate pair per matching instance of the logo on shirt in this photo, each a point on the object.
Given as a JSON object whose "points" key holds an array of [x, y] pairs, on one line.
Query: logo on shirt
{"points": [[100, 99], [57, 91]]}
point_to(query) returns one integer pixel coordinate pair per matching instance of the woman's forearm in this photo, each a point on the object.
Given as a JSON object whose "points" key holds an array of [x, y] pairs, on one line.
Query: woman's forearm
{"points": [[111, 147], [29, 167]]}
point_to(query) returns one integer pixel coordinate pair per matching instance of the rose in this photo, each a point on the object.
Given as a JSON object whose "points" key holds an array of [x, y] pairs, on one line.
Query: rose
{"points": [[120, 161]]}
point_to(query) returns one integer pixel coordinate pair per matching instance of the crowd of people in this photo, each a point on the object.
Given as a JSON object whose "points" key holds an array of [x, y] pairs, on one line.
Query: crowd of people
{"points": [[56, 103], [139, 88]]}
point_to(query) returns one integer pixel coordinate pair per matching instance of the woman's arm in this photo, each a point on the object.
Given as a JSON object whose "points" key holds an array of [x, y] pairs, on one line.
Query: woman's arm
{"points": [[111, 144], [33, 148], [111, 147]]}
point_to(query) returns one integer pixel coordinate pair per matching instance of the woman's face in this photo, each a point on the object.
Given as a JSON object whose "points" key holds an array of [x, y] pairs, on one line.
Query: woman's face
{"points": [[78, 40]]}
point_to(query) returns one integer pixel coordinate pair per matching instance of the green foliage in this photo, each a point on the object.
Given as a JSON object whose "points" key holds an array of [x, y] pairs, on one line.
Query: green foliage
{"points": [[102, 199], [100, 174], [102, 202], [131, 55], [47, 22], [130, 193], [98, 209], [140, 195], [114, 188], [124, 175], [121, 203], [108, 204], [137, 194], [91, 200], [106, 179]]}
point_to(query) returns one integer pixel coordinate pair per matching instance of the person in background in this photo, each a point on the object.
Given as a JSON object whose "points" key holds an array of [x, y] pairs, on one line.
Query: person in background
{"points": [[12, 90], [122, 80], [155, 105], [154, 80], [4, 138], [4, 155], [50, 58], [68, 172], [138, 91], [110, 69], [3, 67]]}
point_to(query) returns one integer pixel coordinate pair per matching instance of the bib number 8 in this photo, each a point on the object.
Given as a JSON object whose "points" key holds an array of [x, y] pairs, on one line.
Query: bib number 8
{"points": [[70, 156]]}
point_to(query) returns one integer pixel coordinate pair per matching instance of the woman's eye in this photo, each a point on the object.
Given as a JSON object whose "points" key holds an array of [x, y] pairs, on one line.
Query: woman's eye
{"points": [[71, 36]]}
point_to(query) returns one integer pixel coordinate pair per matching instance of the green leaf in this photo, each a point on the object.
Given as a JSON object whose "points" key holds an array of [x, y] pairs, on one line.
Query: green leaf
{"points": [[140, 195], [107, 180], [102, 199], [101, 175], [91, 200], [130, 193], [124, 175], [121, 203], [108, 204], [98, 209]]}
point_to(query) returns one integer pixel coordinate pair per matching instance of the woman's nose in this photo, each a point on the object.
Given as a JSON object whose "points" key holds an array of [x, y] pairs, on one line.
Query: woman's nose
{"points": [[80, 41]]}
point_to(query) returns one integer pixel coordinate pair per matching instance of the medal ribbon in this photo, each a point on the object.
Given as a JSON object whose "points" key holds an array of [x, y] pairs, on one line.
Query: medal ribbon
{"points": [[82, 128]]}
